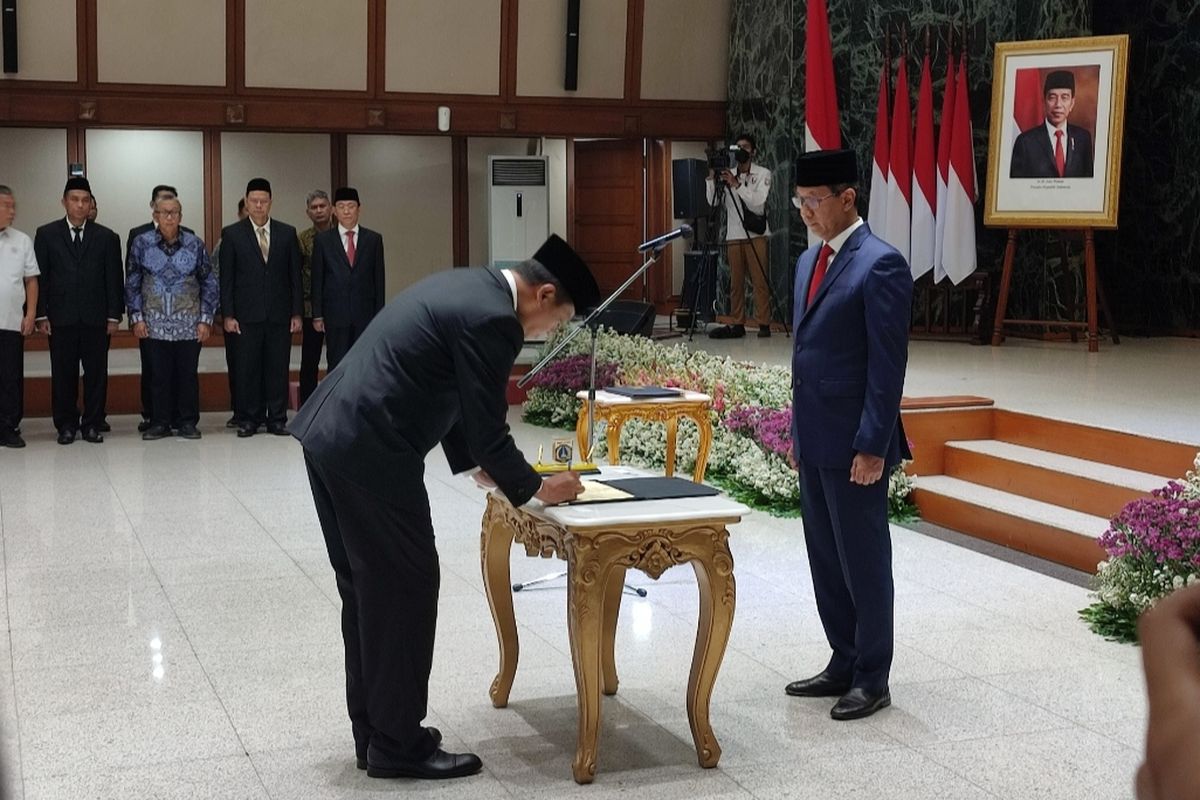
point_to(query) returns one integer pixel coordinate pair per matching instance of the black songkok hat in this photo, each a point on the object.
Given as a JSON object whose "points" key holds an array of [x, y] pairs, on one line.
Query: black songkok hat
{"points": [[1060, 79], [570, 270], [80, 184], [826, 168], [258, 185], [346, 193]]}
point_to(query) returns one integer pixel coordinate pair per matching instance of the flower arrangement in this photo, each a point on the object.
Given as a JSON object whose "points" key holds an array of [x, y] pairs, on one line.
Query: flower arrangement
{"points": [[1153, 548], [751, 416]]}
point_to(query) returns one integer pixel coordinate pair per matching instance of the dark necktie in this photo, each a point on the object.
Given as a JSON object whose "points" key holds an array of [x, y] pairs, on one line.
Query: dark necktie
{"points": [[819, 273], [350, 251], [77, 237]]}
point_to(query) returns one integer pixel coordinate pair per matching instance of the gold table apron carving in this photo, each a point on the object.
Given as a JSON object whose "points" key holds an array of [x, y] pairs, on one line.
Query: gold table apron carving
{"points": [[615, 412], [597, 558]]}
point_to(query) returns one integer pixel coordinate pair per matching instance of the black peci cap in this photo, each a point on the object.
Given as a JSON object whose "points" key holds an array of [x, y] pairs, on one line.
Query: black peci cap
{"points": [[826, 168], [1060, 79], [346, 193], [570, 270], [258, 185]]}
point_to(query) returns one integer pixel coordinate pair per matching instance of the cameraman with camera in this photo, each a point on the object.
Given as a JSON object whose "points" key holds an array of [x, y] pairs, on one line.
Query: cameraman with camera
{"points": [[744, 186]]}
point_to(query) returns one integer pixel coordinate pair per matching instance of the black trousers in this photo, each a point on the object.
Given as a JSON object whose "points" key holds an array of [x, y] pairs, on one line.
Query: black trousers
{"points": [[383, 553], [70, 346], [850, 554], [12, 379], [338, 342], [147, 380], [310, 359], [175, 390], [262, 364], [231, 343]]}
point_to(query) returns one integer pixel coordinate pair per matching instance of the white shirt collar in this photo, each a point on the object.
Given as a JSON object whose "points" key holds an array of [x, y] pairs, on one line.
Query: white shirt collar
{"points": [[82, 226], [266, 226], [343, 231], [836, 242], [1050, 128], [512, 285]]}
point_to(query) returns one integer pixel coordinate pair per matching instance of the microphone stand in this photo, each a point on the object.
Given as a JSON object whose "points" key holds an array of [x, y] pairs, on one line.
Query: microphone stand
{"points": [[590, 323]]}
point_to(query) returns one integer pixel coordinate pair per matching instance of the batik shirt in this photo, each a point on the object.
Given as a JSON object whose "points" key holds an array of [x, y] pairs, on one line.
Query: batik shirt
{"points": [[171, 286]]}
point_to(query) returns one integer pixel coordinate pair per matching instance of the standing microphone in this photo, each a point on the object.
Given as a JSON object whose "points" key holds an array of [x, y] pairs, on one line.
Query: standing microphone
{"points": [[659, 242]]}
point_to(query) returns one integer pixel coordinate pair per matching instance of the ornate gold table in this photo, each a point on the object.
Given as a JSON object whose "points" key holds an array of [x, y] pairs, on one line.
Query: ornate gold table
{"points": [[600, 542], [615, 410]]}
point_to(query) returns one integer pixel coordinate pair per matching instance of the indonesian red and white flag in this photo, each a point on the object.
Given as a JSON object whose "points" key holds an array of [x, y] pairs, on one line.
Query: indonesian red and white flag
{"points": [[899, 213], [924, 179], [943, 170], [877, 211], [958, 252], [822, 130]]}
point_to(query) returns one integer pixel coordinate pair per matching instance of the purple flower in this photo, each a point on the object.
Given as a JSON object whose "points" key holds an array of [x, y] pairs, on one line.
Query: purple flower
{"points": [[572, 373], [770, 428], [1164, 527]]}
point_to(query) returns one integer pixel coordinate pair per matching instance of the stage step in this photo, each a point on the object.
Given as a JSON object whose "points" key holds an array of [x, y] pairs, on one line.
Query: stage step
{"points": [[1079, 484], [1043, 529]]}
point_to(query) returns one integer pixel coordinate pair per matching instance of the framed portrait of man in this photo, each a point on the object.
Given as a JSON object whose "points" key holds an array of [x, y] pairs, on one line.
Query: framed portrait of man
{"points": [[1054, 149]]}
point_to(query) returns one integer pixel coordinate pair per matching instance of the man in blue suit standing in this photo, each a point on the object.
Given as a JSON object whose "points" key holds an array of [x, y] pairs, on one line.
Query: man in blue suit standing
{"points": [[851, 319]]}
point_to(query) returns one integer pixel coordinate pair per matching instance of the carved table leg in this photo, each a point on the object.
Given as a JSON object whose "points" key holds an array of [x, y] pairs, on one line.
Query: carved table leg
{"points": [[587, 579], [608, 647], [672, 425], [581, 432], [714, 576], [704, 429], [495, 543], [613, 432]]}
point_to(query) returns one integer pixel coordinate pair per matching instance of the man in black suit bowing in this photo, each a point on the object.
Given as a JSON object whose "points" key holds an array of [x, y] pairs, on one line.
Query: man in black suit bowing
{"points": [[79, 304], [1054, 149], [432, 367], [347, 278], [261, 300]]}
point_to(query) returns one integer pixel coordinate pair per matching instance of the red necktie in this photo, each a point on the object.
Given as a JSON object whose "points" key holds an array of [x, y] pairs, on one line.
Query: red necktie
{"points": [[1060, 158], [819, 273], [350, 247]]}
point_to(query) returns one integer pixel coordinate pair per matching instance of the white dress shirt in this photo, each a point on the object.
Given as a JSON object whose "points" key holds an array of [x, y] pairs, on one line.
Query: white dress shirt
{"points": [[345, 241], [17, 262], [753, 188]]}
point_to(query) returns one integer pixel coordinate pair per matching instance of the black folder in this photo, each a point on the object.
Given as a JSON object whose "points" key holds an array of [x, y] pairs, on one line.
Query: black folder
{"points": [[661, 488], [644, 392]]}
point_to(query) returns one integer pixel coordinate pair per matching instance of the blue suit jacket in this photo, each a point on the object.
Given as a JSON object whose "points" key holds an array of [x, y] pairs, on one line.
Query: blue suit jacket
{"points": [[850, 353]]}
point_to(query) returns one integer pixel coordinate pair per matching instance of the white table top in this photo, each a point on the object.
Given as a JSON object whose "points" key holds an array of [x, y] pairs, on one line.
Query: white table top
{"points": [[627, 512], [608, 398]]}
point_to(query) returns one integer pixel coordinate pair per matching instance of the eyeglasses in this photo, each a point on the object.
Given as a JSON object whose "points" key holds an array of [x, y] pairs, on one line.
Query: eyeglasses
{"points": [[811, 203], [167, 214]]}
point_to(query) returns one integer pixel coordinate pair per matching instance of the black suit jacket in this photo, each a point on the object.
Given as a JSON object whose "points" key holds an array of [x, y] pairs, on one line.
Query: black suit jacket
{"points": [[1033, 157], [251, 290], [84, 288], [432, 367], [342, 295]]}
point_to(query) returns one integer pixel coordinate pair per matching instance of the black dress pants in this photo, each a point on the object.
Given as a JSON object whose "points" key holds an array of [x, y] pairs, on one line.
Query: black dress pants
{"points": [[147, 380], [231, 344], [175, 384], [12, 379], [338, 342], [310, 359], [383, 553], [262, 364], [70, 346]]}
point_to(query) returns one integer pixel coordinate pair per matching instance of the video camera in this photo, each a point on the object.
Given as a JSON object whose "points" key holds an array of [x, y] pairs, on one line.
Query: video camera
{"points": [[722, 158]]}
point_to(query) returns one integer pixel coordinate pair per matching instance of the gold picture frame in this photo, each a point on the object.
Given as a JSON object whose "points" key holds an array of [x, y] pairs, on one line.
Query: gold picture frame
{"points": [[1032, 184]]}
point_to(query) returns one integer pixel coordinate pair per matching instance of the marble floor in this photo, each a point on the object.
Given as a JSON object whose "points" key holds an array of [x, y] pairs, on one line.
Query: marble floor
{"points": [[170, 630]]}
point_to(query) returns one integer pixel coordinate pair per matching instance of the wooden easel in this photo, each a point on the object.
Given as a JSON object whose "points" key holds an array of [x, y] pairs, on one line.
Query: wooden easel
{"points": [[1091, 287]]}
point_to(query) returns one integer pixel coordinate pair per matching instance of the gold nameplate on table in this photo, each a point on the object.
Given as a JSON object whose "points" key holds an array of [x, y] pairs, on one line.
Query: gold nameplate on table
{"points": [[597, 492], [582, 467]]}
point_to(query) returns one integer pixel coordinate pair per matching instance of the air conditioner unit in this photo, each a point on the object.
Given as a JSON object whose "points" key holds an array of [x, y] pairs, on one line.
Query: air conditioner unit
{"points": [[518, 207]]}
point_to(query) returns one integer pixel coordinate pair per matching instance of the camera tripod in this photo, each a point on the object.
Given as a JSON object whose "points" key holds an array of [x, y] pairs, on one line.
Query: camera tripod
{"points": [[710, 250]]}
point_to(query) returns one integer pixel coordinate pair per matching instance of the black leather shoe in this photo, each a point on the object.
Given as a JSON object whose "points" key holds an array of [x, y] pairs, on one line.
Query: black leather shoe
{"points": [[360, 756], [144, 426], [439, 766], [189, 431], [92, 435], [764, 331], [277, 428], [11, 439], [66, 436], [728, 332], [820, 685], [859, 703], [104, 427], [232, 422], [155, 432], [245, 430]]}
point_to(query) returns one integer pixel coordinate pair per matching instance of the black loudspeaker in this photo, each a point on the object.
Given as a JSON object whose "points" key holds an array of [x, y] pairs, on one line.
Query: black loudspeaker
{"points": [[700, 277], [687, 187], [628, 316], [571, 79], [10, 35]]}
